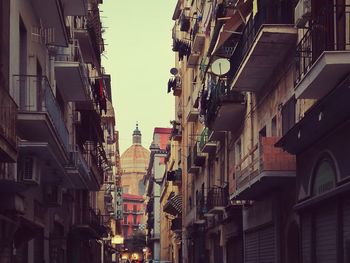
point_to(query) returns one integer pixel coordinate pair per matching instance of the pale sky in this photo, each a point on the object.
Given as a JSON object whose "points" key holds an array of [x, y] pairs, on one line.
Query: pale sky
{"points": [[138, 56]]}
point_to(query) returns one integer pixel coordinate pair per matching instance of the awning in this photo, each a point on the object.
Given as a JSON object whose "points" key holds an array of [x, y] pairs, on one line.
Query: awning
{"points": [[174, 205], [320, 120], [233, 21]]}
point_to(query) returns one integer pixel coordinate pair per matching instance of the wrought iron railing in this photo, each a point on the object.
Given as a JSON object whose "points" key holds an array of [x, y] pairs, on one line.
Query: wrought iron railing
{"points": [[328, 32], [78, 160], [35, 95], [217, 197], [203, 139], [8, 116]]}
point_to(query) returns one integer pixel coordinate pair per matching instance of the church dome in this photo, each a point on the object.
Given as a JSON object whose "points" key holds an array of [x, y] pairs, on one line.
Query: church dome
{"points": [[134, 163], [135, 159]]}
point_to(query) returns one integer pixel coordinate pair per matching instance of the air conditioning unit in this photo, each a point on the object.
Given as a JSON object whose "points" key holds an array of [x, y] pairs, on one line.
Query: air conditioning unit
{"points": [[53, 195], [76, 117], [302, 13], [30, 170]]}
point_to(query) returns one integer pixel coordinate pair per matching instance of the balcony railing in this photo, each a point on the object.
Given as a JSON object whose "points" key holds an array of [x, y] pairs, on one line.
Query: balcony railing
{"points": [[77, 159], [267, 15], [36, 96], [201, 206], [220, 94], [198, 155], [328, 32], [175, 176], [8, 116], [176, 133], [88, 216], [264, 157], [94, 160], [218, 197]]}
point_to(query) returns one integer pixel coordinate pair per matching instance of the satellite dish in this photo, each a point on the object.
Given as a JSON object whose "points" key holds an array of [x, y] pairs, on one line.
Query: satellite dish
{"points": [[220, 66], [174, 71]]}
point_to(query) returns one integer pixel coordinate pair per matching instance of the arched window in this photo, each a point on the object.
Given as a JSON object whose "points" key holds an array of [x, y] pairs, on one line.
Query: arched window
{"points": [[324, 177]]}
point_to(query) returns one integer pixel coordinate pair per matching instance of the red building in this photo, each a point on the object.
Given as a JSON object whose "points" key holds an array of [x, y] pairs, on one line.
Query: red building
{"points": [[133, 210]]}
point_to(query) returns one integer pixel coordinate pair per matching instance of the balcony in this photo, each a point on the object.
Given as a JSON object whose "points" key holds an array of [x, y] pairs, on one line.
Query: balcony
{"points": [[323, 54], [202, 210], [263, 169], [205, 144], [87, 30], [9, 181], [78, 169], [52, 18], [191, 166], [192, 113], [176, 132], [40, 120], [266, 40], [72, 76], [175, 176], [75, 7], [198, 156], [87, 223], [225, 108], [94, 160], [218, 199], [8, 131], [198, 40], [175, 85]]}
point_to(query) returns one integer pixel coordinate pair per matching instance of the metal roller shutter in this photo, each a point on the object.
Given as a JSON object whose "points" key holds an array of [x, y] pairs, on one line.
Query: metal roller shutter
{"points": [[260, 246], [267, 245], [251, 247], [306, 237], [326, 234], [346, 230]]}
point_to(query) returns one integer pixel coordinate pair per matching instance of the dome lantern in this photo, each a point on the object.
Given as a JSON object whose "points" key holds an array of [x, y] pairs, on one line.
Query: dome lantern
{"points": [[136, 136]]}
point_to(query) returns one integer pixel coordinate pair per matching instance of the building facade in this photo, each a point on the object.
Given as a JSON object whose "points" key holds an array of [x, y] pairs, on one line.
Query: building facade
{"points": [[53, 159], [255, 85], [153, 180]]}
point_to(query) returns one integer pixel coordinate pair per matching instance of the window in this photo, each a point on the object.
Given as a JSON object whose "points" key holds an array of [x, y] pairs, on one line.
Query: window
{"points": [[134, 208], [126, 189], [288, 115], [125, 207], [134, 219], [325, 177], [125, 219], [274, 127]]}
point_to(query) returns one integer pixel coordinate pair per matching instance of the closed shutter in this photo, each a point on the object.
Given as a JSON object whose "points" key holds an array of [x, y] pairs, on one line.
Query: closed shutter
{"points": [[251, 247], [267, 245], [325, 234], [260, 246], [346, 230], [306, 237]]}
